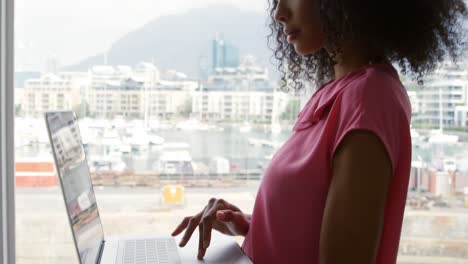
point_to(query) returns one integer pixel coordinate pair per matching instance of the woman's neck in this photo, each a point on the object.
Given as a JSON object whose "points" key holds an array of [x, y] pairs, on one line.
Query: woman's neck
{"points": [[343, 69], [349, 60]]}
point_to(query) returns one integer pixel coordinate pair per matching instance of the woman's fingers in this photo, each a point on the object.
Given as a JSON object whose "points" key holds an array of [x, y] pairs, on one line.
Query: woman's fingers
{"points": [[201, 249], [181, 226], [205, 227], [224, 215], [207, 224], [205, 221], [230, 216], [192, 224], [232, 207], [227, 206], [240, 225]]}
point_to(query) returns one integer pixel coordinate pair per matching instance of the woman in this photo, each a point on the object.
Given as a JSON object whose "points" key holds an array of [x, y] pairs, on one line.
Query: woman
{"points": [[335, 192]]}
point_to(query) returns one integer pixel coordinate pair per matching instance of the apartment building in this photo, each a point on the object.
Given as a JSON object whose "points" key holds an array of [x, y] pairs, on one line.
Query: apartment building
{"points": [[239, 94], [443, 93], [49, 92]]}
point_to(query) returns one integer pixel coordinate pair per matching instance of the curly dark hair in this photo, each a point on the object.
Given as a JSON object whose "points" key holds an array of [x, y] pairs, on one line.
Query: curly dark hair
{"points": [[415, 34]]}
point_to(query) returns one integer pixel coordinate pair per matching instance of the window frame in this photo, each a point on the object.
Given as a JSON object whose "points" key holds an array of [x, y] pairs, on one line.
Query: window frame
{"points": [[7, 163]]}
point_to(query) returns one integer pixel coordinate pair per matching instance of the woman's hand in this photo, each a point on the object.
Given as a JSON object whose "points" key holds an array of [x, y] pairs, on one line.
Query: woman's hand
{"points": [[219, 215]]}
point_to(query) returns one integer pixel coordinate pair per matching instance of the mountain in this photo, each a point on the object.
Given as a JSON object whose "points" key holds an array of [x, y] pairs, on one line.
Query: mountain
{"points": [[179, 41]]}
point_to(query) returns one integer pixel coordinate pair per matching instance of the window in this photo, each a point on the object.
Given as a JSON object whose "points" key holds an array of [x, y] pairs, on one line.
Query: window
{"points": [[121, 113], [204, 122]]}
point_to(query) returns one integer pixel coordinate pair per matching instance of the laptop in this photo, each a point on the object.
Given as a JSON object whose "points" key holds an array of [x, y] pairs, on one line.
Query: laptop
{"points": [[82, 210]]}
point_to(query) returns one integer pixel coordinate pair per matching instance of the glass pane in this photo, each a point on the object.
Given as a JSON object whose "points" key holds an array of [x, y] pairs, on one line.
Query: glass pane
{"points": [[165, 127], [435, 225], [171, 115]]}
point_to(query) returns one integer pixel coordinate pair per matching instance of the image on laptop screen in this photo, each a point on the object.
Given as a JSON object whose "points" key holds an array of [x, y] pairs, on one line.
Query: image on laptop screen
{"points": [[76, 184]]}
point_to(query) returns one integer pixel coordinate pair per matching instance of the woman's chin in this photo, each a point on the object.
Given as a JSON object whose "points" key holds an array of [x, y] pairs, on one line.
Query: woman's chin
{"points": [[302, 50]]}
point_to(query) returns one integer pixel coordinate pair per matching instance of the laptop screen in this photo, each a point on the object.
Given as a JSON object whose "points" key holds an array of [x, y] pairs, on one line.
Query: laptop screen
{"points": [[77, 187]]}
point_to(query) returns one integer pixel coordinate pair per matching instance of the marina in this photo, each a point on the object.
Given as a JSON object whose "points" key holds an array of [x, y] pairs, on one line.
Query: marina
{"points": [[187, 147], [194, 150]]}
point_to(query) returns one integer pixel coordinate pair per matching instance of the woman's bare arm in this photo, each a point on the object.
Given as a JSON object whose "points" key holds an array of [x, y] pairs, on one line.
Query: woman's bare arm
{"points": [[354, 212]]}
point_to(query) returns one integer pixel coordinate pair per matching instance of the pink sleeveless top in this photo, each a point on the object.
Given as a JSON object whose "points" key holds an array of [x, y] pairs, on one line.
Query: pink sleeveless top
{"points": [[288, 211]]}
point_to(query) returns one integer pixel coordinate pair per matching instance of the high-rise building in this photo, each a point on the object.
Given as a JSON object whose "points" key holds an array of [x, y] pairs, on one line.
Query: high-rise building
{"points": [[224, 54], [52, 64]]}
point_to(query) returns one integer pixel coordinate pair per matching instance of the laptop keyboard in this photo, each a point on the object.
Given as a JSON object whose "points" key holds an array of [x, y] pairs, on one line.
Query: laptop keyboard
{"points": [[150, 251]]}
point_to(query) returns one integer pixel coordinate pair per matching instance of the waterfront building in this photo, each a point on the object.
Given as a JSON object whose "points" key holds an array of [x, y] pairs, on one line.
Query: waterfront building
{"points": [[443, 91], [415, 103], [239, 94], [117, 98], [49, 92], [168, 100], [147, 73], [461, 116]]}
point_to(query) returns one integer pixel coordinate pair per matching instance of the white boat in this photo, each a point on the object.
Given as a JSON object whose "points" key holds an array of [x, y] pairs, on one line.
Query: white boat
{"points": [[119, 166], [192, 124], [21, 142], [120, 122], [125, 149], [276, 128], [219, 165], [254, 142], [40, 132], [414, 134], [437, 137], [156, 126], [88, 135], [24, 133], [174, 162], [42, 137], [176, 146], [138, 139], [245, 128], [267, 143], [106, 163], [139, 145], [111, 138], [156, 140]]}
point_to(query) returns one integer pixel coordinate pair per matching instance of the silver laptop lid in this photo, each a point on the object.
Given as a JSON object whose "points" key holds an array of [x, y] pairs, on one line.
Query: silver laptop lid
{"points": [[77, 188]]}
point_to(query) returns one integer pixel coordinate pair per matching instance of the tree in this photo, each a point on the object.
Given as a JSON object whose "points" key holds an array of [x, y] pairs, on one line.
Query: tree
{"points": [[186, 109], [18, 110], [292, 110], [81, 109]]}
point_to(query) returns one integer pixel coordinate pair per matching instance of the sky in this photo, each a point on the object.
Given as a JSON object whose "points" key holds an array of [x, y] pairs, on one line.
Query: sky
{"points": [[72, 30]]}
